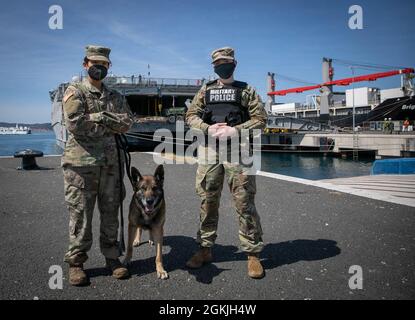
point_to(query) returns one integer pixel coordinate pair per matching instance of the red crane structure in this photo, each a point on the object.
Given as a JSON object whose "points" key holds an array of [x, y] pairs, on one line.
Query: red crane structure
{"points": [[343, 82], [326, 87]]}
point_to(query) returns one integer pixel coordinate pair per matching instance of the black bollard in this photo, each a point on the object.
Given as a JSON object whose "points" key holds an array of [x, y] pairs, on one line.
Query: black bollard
{"points": [[28, 159]]}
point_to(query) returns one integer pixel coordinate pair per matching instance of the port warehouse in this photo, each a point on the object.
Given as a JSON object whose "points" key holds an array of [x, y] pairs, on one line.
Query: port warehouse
{"points": [[364, 99]]}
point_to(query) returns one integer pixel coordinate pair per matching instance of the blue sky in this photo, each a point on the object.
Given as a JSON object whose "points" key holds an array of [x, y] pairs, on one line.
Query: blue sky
{"points": [[176, 38]]}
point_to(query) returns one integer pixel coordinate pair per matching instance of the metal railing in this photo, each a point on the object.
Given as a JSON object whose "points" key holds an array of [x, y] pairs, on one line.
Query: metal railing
{"points": [[305, 107], [153, 82]]}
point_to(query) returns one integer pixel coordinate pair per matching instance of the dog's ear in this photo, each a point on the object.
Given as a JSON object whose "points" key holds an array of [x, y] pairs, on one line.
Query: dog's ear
{"points": [[159, 174], [135, 174]]}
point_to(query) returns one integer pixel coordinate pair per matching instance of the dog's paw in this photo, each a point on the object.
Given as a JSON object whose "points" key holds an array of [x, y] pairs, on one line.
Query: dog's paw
{"points": [[162, 274], [151, 242], [136, 243]]}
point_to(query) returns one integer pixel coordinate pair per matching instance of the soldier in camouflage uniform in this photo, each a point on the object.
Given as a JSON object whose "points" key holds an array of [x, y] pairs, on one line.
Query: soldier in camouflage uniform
{"points": [[94, 114], [210, 176]]}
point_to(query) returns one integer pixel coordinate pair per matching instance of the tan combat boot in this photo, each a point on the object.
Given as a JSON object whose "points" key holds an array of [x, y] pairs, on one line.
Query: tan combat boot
{"points": [[255, 269], [202, 256], [77, 276], [117, 268]]}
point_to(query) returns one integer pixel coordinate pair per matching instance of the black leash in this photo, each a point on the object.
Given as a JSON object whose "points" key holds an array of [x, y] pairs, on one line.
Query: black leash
{"points": [[122, 145]]}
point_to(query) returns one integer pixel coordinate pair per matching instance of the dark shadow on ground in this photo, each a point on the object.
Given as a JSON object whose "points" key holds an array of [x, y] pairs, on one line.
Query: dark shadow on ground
{"points": [[37, 169], [97, 272], [273, 256]]}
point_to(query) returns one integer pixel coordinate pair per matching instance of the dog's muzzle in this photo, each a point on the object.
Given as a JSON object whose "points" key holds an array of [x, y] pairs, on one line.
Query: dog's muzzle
{"points": [[148, 206]]}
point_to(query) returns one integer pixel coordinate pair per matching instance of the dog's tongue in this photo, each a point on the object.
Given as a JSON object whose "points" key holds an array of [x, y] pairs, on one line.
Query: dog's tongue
{"points": [[148, 208]]}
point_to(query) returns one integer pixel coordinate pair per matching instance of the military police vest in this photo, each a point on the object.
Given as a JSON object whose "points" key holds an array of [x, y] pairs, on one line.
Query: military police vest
{"points": [[224, 104]]}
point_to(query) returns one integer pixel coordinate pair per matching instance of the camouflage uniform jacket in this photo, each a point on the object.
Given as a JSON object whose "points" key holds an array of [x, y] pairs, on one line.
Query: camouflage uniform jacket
{"points": [[92, 118], [250, 100]]}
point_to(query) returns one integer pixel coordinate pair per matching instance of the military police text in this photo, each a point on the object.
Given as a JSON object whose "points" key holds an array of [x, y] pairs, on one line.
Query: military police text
{"points": [[222, 95]]}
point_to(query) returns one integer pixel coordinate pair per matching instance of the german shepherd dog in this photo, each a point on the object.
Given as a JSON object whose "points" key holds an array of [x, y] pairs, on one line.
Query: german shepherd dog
{"points": [[147, 212]]}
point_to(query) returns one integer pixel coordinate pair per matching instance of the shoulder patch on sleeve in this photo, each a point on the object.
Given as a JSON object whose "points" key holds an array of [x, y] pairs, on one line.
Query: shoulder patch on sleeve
{"points": [[69, 93]]}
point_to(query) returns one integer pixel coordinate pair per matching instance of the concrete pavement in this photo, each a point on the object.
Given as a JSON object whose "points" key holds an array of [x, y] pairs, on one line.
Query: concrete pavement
{"points": [[313, 236]]}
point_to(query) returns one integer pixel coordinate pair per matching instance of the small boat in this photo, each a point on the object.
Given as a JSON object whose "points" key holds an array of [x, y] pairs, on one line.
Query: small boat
{"points": [[15, 130]]}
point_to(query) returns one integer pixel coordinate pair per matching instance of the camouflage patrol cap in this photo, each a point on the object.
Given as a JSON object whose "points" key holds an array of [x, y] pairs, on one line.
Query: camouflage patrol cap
{"points": [[97, 53], [223, 53]]}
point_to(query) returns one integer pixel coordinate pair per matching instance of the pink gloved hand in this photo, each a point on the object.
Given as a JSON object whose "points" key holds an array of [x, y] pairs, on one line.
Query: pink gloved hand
{"points": [[214, 127], [224, 132]]}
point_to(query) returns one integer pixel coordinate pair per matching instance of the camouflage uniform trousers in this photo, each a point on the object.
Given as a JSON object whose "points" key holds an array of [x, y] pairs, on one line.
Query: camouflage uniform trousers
{"points": [[83, 187], [209, 184]]}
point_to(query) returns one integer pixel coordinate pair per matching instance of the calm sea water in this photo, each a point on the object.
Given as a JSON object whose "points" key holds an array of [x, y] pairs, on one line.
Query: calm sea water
{"points": [[42, 141], [312, 167]]}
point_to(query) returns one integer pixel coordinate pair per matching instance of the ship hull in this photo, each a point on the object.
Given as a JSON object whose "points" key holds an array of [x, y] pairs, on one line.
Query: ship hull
{"points": [[151, 102]]}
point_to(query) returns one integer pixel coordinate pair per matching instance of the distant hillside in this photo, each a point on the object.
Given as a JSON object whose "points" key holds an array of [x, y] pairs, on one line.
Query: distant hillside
{"points": [[33, 126]]}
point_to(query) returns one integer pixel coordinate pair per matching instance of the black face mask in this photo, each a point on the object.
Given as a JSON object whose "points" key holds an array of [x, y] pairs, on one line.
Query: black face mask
{"points": [[225, 70], [97, 71]]}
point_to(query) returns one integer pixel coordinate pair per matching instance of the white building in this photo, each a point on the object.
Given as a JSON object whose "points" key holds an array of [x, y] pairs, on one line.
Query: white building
{"points": [[364, 100]]}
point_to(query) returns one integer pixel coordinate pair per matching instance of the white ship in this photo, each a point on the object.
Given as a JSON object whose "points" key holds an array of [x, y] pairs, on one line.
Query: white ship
{"points": [[15, 130]]}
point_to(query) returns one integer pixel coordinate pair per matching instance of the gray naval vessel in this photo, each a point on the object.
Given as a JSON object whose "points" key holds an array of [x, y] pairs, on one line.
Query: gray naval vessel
{"points": [[155, 102]]}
